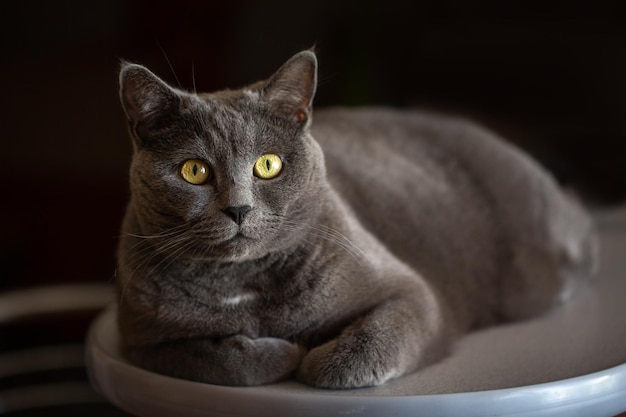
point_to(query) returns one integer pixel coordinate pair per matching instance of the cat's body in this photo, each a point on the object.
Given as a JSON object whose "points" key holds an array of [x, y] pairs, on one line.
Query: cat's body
{"points": [[383, 237]]}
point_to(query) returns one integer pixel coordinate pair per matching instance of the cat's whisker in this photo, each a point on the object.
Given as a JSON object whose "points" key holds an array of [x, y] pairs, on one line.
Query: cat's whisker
{"points": [[178, 242], [138, 253], [181, 228], [348, 246], [172, 256], [340, 236], [149, 249], [329, 234], [203, 253]]}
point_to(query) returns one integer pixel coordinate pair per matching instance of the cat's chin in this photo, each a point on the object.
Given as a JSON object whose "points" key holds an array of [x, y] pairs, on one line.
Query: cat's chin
{"points": [[238, 248]]}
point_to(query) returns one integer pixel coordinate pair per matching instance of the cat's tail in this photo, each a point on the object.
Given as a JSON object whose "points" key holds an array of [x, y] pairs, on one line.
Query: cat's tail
{"points": [[579, 263], [576, 244], [552, 264]]}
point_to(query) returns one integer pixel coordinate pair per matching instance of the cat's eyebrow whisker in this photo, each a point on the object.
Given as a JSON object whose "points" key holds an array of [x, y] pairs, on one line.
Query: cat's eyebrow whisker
{"points": [[169, 63]]}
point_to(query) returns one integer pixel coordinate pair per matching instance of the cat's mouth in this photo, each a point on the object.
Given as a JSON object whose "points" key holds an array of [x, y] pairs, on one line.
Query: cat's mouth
{"points": [[233, 243], [237, 239], [235, 248]]}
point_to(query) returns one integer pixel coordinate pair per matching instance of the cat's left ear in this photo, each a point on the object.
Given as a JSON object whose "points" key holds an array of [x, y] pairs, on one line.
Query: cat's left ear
{"points": [[292, 88]]}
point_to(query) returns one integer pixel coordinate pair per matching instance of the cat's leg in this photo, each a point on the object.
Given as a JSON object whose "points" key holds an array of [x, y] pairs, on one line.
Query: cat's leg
{"points": [[394, 339], [234, 360]]}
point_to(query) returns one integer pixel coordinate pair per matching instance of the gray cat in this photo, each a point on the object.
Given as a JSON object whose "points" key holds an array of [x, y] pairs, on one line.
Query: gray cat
{"points": [[347, 250]]}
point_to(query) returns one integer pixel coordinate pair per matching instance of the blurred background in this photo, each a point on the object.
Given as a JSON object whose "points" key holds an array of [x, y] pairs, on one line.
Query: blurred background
{"points": [[549, 76]]}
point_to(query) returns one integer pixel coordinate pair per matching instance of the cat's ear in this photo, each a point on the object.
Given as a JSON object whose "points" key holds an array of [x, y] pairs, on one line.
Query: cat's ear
{"points": [[292, 88], [145, 98]]}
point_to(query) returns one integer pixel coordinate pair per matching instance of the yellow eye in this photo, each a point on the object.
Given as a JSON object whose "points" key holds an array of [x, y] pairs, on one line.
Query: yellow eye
{"points": [[195, 172], [268, 166]]}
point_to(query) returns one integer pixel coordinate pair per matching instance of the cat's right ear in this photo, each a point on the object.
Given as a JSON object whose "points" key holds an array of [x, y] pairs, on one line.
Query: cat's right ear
{"points": [[145, 99], [292, 88]]}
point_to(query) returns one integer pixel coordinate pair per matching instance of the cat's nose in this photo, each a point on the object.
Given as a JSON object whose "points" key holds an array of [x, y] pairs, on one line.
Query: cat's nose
{"points": [[237, 213]]}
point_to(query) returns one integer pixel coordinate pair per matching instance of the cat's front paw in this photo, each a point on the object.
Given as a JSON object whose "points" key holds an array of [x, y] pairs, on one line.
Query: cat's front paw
{"points": [[258, 361], [233, 360], [336, 366]]}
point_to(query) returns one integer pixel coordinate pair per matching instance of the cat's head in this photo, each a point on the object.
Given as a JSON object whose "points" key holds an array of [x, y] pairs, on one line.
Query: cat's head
{"points": [[230, 175]]}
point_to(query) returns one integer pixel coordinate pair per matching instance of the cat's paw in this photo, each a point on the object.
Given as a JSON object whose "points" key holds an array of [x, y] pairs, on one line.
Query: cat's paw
{"points": [[337, 366], [258, 361]]}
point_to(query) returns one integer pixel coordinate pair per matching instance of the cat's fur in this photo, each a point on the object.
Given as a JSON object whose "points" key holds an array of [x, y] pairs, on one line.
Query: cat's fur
{"points": [[387, 235]]}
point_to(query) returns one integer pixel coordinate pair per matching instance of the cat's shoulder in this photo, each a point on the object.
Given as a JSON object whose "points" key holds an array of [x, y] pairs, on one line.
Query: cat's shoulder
{"points": [[425, 137], [457, 134], [423, 122], [383, 114]]}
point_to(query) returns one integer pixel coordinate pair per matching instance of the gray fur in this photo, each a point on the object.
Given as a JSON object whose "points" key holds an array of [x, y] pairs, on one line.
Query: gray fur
{"points": [[387, 236]]}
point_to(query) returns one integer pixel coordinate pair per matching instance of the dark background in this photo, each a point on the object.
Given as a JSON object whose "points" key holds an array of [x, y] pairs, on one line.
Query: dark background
{"points": [[549, 76]]}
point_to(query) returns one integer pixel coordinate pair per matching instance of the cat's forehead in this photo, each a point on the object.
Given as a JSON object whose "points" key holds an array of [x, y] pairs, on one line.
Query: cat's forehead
{"points": [[236, 105], [232, 115], [245, 96], [234, 119]]}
